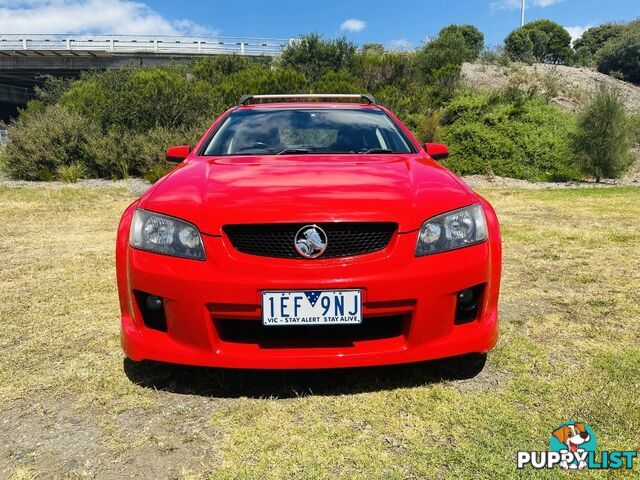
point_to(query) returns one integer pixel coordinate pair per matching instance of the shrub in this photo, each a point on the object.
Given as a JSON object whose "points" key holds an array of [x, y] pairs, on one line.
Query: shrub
{"points": [[604, 137], [622, 55], [312, 56], [495, 56], [542, 40], [39, 145], [215, 69], [71, 173], [509, 135], [139, 100], [337, 82], [261, 80], [377, 69], [124, 154]]}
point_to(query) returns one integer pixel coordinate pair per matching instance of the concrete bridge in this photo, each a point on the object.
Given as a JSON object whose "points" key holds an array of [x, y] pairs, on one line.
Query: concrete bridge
{"points": [[25, 57]]}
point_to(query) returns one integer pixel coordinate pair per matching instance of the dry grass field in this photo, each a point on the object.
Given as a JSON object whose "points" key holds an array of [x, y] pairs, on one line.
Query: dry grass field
{"points": [[72, 407]]}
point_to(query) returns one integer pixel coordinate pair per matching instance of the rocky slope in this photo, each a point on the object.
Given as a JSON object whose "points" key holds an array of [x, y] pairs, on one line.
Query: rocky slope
{"points": [[568, 87]]}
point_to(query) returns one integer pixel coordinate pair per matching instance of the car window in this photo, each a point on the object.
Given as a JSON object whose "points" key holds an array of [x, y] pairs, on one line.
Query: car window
{"points": [[309, 130]]}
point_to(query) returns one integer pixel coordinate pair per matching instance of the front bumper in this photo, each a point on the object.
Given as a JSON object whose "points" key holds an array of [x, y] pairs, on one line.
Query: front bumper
{"points": [[199, 295]]}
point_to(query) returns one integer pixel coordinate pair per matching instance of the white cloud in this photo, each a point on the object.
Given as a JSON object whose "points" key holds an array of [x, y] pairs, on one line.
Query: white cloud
{"points": [[91, 16], [353, 25], [577, 31], [515, 4], [399, 44]]}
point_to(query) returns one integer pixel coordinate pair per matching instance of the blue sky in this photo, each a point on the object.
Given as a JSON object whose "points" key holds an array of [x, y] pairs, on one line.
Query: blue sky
{"points": [[386, 21], [392, 23]]}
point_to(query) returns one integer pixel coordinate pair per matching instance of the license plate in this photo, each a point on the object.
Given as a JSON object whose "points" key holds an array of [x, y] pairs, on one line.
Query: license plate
{"points": [[312, 307]]}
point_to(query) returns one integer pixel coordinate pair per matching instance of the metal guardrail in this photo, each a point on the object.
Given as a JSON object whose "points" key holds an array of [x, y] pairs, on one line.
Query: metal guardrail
{"points": [[164, 44]]}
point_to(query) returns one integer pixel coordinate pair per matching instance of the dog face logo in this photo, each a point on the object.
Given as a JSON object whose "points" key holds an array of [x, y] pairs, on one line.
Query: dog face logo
{"points": [[574, 437], [310, 241]]}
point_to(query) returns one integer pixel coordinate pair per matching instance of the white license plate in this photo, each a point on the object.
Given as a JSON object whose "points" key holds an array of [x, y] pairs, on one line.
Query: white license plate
{"points": [[312, 307]]}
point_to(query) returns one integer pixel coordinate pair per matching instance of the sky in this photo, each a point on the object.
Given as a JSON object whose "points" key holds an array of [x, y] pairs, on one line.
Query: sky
{"points": [[397, 24]]}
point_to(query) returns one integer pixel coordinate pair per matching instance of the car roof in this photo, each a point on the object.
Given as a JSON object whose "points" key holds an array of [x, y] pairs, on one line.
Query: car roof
{"points": [[308, 105]]}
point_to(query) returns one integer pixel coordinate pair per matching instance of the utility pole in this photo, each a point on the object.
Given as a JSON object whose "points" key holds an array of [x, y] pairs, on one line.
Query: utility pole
{"points": [[522, 14]]}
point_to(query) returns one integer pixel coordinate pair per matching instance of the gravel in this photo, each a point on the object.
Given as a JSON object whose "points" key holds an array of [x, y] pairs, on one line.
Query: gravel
{"points": [[137, 186]]}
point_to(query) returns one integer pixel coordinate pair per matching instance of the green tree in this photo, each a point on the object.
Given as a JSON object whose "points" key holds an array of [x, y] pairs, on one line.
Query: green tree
{"points": [[621, 55], [592, 41], [451, 46], [313, 56], [519, 45], [604, 137], [549, 43], [473, 38]]}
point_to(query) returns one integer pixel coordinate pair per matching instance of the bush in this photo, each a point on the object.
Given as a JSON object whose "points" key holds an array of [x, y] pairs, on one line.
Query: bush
{"points": [[312, 56], [124, 154], [378, 70], [261, 80], [139, 100], [621, 55], [542, 40], [216, 68], [39, 145], [71, 173], [337, 82], [604, 137], [509, 135]]}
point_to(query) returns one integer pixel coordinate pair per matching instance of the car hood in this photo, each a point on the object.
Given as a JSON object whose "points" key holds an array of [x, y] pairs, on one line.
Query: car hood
{"points": [[211, 193]]}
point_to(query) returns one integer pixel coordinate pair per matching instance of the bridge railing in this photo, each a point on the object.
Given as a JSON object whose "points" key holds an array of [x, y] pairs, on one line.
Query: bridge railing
{"points": [[167, 44]]}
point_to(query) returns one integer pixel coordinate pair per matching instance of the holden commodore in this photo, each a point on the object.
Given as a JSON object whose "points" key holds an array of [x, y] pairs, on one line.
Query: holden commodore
{"points": [[308, 233]]}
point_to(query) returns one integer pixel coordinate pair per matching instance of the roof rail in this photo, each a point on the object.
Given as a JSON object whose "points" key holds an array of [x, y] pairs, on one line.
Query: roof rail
{"points": [[245, 99]]}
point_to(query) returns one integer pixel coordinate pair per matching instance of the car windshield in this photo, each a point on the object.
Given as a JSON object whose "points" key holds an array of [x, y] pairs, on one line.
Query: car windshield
{"points": [[310, 130]]}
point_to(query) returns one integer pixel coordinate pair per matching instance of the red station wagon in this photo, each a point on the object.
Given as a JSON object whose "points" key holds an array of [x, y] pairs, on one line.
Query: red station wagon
{"points": [[308, 234]]}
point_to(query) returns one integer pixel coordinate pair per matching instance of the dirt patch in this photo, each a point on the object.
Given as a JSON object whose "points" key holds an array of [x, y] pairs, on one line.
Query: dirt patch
{"points": [[52, 436]]}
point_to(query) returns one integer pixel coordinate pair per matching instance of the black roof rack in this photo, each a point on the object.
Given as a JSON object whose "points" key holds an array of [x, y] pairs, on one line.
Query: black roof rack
{"points": [[245, 99]]}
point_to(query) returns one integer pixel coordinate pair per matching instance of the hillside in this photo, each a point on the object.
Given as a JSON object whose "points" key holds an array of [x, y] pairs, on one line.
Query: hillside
{"points": [[568, 87]]}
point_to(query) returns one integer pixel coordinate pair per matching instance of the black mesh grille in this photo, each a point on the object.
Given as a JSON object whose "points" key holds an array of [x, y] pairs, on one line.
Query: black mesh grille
{"points": [[344, 239]]}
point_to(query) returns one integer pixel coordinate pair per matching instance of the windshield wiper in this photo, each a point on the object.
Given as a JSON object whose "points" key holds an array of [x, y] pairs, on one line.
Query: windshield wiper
{"points": [[378, 150], [293, 150]]}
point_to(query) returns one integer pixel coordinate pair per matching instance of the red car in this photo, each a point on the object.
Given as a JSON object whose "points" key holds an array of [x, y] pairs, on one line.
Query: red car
{"points": [[302, 234]]}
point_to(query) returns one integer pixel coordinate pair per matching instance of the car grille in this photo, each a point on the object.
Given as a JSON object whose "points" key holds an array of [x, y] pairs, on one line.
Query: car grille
{"points": [[344, 239]]}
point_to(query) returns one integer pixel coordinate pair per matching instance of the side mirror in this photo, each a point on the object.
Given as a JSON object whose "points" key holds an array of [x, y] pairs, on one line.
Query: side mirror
{"points": [[177, 154], [437, 151]]}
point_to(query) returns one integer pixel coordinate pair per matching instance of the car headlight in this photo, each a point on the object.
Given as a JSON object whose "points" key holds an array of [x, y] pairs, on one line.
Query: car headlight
{"points": [[456, 229], [159, 233]]}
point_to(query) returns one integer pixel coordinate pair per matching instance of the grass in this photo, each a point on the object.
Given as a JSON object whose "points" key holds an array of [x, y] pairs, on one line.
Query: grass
{"points": [[70, 407]]}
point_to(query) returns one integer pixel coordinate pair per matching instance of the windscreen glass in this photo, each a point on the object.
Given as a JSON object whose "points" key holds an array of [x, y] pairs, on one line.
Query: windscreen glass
{"points": [[321, 130]]}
